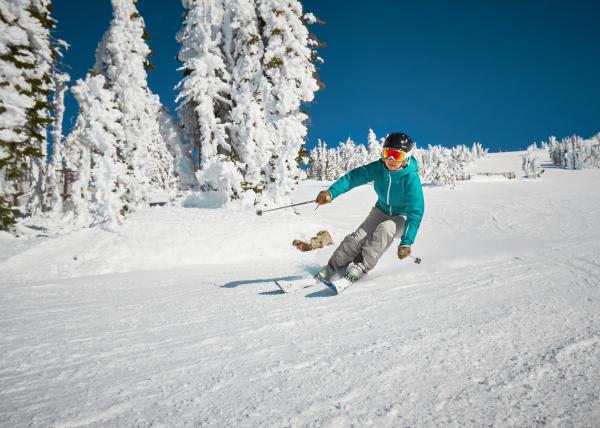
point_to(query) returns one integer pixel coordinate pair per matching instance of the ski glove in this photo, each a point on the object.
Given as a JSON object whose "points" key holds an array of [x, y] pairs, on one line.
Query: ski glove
{"points": [[324, 197], [403, 251]]}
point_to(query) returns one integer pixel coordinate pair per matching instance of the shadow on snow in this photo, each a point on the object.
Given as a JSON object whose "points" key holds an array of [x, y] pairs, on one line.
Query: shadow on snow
{"points": [[235, 284]]}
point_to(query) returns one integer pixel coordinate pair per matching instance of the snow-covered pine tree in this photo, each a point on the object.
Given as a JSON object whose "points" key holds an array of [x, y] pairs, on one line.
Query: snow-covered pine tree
{"points": [[461, 153], [438, 166], [290, 71], [374, 147], [318, 161], [572, 156], [330, 164], [352, 155], [247, 70], [99, 178], [335, 164], [26, 86], [173, 137], [303, 159], [575, 152], [595, 151], [122, 58], [250, 138], [478, 150], [531, 166], [205, 98], [346, 151], [55, 169]]}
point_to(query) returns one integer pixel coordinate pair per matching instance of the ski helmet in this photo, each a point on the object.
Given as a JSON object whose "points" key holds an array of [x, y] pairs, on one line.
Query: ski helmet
{"points": [[399, 141]]}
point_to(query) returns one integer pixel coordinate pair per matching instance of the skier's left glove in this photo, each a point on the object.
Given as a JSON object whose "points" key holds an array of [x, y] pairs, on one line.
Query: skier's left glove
{"points": [[403, 251]]}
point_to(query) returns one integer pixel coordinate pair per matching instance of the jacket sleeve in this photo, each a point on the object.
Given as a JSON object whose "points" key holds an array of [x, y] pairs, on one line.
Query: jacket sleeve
{"points": [[356, 177], [415, 207]]}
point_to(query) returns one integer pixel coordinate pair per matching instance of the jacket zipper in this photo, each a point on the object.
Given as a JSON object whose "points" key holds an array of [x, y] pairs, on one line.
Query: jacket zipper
{"points": [[388, 192]]}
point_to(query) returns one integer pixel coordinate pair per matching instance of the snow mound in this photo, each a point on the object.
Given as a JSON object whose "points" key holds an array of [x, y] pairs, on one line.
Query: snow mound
{"points": [[160, 238]]}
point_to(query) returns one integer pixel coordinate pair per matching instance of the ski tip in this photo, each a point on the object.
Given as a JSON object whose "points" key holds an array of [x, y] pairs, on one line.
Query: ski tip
{"points": [[331, 286]]}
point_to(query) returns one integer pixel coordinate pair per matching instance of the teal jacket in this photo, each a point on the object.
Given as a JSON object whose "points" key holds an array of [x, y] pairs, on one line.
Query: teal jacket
{"points": [[398, 192]]}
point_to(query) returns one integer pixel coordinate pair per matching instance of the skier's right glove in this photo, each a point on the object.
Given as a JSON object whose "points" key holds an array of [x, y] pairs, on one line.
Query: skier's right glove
{"points": [[403, 251], [324, 197]]}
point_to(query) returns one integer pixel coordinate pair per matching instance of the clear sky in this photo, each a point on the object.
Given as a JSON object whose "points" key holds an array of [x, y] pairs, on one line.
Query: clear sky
{"points": [[504, 73]]}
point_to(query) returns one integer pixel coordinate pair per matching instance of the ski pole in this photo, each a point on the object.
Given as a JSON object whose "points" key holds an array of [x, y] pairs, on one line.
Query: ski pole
{"points": [[417, 259], [261, 212]]}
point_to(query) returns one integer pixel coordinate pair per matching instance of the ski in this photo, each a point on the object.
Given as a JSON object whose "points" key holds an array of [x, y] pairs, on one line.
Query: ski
{"points": [[337, 285], [291, 285]]}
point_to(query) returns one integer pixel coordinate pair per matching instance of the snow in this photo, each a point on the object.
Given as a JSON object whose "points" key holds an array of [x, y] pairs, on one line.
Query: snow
{"points": [[172, 318]]}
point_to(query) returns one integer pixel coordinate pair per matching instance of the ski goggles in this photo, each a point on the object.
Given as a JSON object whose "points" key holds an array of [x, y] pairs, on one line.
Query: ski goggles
{"points": [[397, 155]]}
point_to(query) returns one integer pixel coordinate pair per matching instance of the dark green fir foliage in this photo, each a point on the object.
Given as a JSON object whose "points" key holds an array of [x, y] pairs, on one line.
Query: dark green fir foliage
{"points": [[25, 73]]}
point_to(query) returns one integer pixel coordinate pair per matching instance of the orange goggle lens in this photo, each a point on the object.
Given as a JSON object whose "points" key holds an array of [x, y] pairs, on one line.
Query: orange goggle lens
{"points": [[397, 155]]}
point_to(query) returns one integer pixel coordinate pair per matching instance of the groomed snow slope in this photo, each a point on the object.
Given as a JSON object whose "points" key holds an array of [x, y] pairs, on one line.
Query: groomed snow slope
{"points": [[173, 319]]}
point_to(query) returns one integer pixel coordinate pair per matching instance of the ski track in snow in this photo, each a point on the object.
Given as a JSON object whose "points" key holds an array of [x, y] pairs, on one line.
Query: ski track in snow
{"points": [[163, 324]]}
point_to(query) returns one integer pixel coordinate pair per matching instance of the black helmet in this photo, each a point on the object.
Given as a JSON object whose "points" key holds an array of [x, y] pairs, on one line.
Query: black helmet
{"points": [[399, 141]]}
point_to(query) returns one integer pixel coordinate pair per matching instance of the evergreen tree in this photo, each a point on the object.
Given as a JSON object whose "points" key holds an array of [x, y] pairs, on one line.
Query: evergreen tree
{"points": [[27, 59], [318, 161], [531, 166], [122, 58], [352, 155], [249, 134], [478, 150], [99, 184], [205, 97], [575, 152], [55, 172], [290, 71], [247, 69], [374, 147], [171, 132]]}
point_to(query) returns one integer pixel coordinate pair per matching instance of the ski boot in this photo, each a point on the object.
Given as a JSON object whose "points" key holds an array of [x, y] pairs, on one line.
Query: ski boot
{"points": [[325, 274], [355, 272]]}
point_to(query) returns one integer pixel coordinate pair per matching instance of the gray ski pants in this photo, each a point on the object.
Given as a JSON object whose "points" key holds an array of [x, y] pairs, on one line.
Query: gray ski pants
{"points": [[368, 243]]}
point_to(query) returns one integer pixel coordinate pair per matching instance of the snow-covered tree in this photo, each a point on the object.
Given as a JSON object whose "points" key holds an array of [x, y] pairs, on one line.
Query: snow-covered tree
{"points": [[553, 150], [438, 166], [443, 166], [55, 168], [173, 137], [329, 164], [27, 60], [247, 70], [250, 137], [99, 178], [352, 155], [290, 72], [318, 161], [531, 164], [122, 58], [478, 151], [205, 97], [575, 152], [374, 147]]}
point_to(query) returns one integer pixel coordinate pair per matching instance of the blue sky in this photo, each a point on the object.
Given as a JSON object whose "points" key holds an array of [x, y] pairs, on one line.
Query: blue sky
{"points": [[504, 73]]}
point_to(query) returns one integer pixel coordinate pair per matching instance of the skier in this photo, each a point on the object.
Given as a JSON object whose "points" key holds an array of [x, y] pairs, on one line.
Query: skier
{"points": [[397, 213]]}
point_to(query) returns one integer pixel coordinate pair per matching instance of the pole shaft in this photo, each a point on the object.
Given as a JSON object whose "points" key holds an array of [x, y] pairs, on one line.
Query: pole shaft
{"points": [[289, 206]]}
